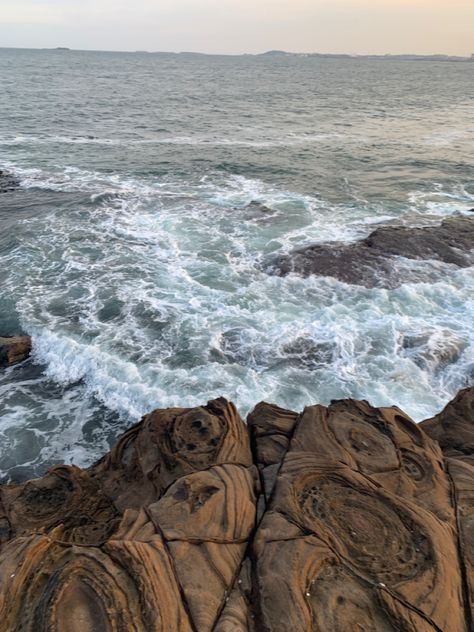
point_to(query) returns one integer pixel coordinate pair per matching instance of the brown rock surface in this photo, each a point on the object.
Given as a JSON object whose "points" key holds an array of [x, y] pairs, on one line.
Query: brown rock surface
{"points": [[14, 349], [151, 538], [344, 517], [453, 428], [370, 261]]}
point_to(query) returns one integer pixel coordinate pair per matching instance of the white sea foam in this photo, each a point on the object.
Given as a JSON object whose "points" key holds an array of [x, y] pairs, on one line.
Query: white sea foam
{"points": [[154, 297], [441, 202], [448, 136], [250, 140]]}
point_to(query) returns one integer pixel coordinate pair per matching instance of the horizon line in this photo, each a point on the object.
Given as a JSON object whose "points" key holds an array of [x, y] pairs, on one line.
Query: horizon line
{"points": [[245, 54]]}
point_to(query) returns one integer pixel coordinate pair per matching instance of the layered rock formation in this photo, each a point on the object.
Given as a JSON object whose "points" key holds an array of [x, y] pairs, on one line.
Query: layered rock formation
{"points": [[14, 349], [370, 261], [339, 518]]}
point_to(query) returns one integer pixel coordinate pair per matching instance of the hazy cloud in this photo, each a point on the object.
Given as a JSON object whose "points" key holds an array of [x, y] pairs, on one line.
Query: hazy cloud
{"points": [[235, 26]]}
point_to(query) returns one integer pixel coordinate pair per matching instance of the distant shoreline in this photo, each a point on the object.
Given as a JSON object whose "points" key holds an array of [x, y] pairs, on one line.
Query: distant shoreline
{"points": [[272, 53]]}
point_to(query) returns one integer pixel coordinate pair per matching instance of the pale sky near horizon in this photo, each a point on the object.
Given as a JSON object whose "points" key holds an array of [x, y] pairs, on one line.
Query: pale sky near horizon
{"points": [[242, 26]]}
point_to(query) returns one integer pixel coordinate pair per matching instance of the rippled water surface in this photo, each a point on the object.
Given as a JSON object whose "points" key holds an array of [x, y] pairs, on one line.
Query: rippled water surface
{"points": [[131, 254]]}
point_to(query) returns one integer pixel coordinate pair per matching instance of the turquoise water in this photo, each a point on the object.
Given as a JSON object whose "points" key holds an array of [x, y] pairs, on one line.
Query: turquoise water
{"points": [[131, 255]]}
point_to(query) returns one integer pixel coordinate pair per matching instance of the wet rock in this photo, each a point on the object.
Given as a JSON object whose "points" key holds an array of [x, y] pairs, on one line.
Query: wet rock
{"points": [[308, 352], [258, 207], [434, 349], [230, 347], [446, 242], [257, 213], [340, 517], [240, 346], [350, 263], [8, 182], [14, 349], [370, 261], [453, 428]]}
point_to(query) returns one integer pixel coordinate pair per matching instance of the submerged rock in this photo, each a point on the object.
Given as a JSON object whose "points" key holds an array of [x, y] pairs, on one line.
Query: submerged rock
{"points": [[434, 349], [14, 349], [370, 261], [309, 353], [8, 182], [340, 517], [257, 213], [256, 206]]}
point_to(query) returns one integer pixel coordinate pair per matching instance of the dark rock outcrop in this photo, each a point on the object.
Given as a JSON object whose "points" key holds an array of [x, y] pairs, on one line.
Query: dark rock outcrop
{"points": [[345, 517], [8, 182], [256, 212], [306, 352], [14, 349], [258, 207], [370, 261], [453, 428], [434, 348]]}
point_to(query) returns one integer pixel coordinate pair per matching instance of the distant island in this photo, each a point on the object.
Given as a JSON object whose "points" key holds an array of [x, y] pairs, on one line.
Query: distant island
{"points": [[385, 57], [281, 54], [388, 56]]}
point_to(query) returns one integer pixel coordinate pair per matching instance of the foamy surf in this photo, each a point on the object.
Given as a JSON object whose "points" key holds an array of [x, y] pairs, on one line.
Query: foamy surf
{"points": [[236, 140], [152, 296]]}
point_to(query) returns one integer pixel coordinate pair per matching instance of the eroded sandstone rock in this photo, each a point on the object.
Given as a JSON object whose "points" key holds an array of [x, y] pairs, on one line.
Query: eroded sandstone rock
{"points": [[151, 538], [361, 513], [345, 517], [14, 349]]}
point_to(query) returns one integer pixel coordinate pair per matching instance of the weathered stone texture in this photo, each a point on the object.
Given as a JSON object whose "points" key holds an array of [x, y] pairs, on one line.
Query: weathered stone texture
{"points": [[344, 517]]}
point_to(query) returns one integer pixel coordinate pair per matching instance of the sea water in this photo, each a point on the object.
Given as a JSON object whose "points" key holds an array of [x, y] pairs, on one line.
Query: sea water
{"points": [[132, 253]]}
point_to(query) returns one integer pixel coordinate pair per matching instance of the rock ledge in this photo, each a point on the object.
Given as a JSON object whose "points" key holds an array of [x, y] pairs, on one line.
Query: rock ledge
{"points": [[371, 262]]}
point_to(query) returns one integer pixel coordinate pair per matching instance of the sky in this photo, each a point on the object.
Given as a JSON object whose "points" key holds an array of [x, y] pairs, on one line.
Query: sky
{"points": [[242, 26]]}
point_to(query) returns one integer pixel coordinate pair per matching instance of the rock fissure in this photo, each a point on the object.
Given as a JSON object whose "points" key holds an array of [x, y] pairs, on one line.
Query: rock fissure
{"points": [[182, 593]]}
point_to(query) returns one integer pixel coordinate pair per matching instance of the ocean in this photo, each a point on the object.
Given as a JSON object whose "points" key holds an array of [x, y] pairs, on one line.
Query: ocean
{"points": [[133, 254]]}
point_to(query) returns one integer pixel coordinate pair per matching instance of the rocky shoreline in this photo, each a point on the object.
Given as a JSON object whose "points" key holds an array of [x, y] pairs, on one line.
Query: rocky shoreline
{"points": [[338, 518], [370, 261]]}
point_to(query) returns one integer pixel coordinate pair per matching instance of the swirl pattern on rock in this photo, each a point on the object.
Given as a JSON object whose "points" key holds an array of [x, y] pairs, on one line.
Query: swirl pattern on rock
{"points": [[151, 538], [344, 517]]}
